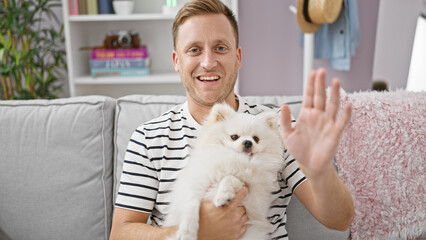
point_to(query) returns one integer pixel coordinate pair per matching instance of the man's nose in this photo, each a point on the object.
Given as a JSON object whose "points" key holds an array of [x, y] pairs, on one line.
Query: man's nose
{"points": [[208, 60]]}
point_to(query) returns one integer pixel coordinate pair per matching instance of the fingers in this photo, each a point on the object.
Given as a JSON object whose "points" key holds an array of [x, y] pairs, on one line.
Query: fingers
{"points": [[308, 98], [315, 96], [240, 210], [333, 105], [344, 118], [239, 197], [243, 230], [241, 223], [319, 92], [285, 120], [244, 217]]}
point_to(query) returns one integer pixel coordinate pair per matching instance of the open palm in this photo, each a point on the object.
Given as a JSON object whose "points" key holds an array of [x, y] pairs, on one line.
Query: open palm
{"points": [[314, 139]]}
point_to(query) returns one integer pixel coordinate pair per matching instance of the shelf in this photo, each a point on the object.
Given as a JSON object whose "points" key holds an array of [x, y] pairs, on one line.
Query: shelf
{"points": [[154, 78], [154, 29], [115, 17]]}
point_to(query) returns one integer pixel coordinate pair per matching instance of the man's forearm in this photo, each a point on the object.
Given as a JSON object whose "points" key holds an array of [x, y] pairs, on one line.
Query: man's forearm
{"points": [[141, 231], [332, 201]]}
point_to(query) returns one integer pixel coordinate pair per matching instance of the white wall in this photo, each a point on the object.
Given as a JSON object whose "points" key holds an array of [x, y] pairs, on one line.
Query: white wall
{"points": [[394, 41], [273, 58]]}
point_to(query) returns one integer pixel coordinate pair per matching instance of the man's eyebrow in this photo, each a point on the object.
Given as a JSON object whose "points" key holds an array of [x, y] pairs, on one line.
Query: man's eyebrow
{"points": [[220, 41], [199, 43], [191, 44]]}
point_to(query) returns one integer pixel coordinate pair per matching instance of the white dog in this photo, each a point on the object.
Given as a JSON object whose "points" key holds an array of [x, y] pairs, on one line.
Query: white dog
{"points": [[233, 150]]}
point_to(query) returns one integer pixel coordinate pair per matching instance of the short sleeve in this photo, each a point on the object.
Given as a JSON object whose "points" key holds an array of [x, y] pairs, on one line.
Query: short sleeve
{"points": [[292, 174], [139, 181]]}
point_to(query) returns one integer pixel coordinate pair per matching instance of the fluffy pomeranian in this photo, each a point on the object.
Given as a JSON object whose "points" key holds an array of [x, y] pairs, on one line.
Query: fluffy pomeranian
{"points": [[232, 150]]}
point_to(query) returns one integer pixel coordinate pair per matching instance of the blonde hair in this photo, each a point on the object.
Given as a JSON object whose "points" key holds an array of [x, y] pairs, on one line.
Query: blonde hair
{"points": [[203, 7]]}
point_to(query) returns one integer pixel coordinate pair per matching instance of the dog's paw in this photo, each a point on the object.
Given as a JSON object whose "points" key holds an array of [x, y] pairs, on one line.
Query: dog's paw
{"points": [[221, 200], [227, 188]]}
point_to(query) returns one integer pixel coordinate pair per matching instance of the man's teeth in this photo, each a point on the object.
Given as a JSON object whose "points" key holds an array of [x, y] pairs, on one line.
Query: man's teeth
{"points": [[209, 78]]}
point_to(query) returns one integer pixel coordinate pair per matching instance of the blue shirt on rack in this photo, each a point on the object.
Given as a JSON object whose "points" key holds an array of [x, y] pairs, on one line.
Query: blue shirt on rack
{"points": [[337, 41]]}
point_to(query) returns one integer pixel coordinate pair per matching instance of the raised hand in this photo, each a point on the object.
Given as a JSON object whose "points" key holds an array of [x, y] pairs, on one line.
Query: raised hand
{"points": [[314, 139]]}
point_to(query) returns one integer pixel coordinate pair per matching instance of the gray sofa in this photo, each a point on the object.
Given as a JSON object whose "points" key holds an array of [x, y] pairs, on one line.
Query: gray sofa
{"points": [[60, 165]]}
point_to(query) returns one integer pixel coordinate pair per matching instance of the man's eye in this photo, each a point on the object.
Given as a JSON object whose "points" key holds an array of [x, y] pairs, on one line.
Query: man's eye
{"points": [[221, 48], [193, 50], [234, 137]]}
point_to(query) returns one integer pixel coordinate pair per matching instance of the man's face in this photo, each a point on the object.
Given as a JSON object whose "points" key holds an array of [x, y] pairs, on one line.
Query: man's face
{"points": [[207, 58]]}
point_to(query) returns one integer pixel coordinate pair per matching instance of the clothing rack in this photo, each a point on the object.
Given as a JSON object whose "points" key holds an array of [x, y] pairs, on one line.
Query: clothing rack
{"points": [[417, 72], [308, 52]]}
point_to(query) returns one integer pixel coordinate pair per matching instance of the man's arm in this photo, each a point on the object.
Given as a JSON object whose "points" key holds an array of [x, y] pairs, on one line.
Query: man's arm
{"points": [[228, 222], [313, 141], [329, 201], [127, 224]]}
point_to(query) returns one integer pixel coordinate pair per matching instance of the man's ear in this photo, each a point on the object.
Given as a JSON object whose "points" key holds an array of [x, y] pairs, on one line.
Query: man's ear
{"points": [[271, 118], [220, 112], [239, 57], [175, 59]]}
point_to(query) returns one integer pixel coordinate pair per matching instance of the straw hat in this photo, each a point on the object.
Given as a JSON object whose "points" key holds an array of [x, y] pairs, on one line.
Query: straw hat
{"points": [[318, 11]]}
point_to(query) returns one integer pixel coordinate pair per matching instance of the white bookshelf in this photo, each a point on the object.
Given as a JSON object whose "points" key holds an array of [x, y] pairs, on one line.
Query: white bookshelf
{"points": [[114, 17], [153, 78], [154, 30]]}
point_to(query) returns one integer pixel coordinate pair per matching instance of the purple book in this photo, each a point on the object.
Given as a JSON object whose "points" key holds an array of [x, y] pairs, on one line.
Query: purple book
{"points": [[119, 53]]}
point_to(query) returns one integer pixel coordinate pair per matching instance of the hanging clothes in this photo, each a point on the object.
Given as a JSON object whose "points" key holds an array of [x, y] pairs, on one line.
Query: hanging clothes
{"points": [[337, 41]]}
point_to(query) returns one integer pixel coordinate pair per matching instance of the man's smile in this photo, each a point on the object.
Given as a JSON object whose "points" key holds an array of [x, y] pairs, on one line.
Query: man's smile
{"points": [[208, 78], [212, 78]]}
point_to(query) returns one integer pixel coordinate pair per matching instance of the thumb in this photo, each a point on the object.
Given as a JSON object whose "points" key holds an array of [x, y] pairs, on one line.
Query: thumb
{"points": [[239, 197]]}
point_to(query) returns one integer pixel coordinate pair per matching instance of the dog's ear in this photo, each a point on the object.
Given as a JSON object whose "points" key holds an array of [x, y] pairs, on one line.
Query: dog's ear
{"points": [[271, 118], [220, 112]]}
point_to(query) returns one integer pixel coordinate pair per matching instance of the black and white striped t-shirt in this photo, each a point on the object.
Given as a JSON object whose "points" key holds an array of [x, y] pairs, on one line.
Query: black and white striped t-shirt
{"points": [[160, 148]]}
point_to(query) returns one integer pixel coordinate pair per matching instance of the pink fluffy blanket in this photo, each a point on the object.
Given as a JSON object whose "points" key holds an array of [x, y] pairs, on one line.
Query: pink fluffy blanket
{"points": [[381, 159]]}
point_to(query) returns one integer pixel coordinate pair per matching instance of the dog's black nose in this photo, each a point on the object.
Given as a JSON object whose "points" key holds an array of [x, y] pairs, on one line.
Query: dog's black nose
{"points": [[247, 144]]}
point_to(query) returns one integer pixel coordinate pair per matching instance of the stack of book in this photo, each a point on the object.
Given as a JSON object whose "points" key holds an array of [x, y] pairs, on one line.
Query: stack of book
{"points": [[83, 7], [119, 62]]}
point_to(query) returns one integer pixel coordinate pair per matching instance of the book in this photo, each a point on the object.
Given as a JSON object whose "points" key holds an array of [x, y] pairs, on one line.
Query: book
{"points": [[120, 53], [73, 7], [105, 7], [82, 7], [119, 72], [120, 63], [92, 7]]}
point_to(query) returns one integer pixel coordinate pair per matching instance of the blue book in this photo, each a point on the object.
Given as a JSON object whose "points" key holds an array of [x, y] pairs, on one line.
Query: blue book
{"points": [[105, 7], [120, 63], [119, 72]]}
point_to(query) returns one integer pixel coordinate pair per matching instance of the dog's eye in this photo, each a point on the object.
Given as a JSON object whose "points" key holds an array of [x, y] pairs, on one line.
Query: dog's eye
{"points": [[256, 139], [234, 137]]}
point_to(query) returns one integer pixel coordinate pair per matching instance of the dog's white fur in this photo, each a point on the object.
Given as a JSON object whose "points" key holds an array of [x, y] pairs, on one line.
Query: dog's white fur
{"points": [[219, 166]]}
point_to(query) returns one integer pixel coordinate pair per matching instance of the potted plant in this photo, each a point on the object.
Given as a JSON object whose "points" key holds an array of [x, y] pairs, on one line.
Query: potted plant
{"points": [[32, 49]]}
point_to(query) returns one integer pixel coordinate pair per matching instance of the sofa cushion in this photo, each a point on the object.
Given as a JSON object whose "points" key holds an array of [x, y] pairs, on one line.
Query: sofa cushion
{"points": [[293, 102], [131, 112], [56, 168], [381, 159]]}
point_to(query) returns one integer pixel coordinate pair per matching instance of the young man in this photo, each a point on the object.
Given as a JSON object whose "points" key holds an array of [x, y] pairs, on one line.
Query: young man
{"points": [[208, 58]]}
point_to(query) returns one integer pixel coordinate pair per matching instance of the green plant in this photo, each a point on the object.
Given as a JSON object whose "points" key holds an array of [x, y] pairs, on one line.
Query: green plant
{"points": [[31, 49]]}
